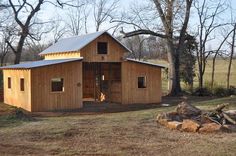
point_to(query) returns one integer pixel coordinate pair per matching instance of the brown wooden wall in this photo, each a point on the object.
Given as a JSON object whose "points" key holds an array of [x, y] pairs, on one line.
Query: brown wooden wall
{"points": [[115, 51], [42, 97], [14, 96], [64, 55], [131, 93]]}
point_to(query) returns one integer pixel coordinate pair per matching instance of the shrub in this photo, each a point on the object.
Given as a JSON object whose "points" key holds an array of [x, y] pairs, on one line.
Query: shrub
{"points": [[221, 91], [202, 92]]}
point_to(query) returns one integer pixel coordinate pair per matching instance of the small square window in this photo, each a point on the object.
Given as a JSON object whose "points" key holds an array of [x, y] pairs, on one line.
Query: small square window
{"points": [[57, 85], [22, 84], [102, 47], [9, 82], [142, 82]]}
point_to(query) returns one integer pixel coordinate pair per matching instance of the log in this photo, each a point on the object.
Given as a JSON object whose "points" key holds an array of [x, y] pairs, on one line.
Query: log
{"points": [[209, 128], [174, 125], [190, 126], [229, 119], [187, 110], [220, 107]]}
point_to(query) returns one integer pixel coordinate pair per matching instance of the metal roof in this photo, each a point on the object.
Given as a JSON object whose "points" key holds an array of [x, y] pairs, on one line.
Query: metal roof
{"points": [[41, 63], [76, 43], [147, 63]]}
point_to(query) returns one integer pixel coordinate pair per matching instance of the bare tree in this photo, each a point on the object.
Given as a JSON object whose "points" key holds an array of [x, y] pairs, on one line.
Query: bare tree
{"points": [[103, 10], [25, 15], [168, 21], [218, 52], [76, 17], [5, 35], [208, 14], [232, 45]]}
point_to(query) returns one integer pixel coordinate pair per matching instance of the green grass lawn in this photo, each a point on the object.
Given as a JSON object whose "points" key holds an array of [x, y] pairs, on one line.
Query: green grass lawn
{"points": [[122, 133]]}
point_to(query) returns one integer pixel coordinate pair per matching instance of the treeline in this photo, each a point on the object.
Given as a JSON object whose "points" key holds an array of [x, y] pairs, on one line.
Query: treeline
{"points": [[183, 32]]}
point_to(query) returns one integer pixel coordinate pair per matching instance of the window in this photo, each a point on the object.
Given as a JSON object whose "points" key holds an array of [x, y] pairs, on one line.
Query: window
{"points": [[57, 85], [142, 82], [22, 84], [102, 47], [9, 82]]}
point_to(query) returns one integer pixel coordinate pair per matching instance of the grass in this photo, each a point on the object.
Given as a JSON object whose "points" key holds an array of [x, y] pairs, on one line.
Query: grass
{"points": [[122, 133], [220, 73]]}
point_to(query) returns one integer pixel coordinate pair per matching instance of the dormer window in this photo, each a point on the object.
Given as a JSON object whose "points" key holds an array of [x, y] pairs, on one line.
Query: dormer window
{"points": [[102, 47]]}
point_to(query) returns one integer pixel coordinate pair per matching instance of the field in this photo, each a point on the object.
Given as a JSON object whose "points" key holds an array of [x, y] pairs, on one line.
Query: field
{"points": [[220, 73], [132, 132]]}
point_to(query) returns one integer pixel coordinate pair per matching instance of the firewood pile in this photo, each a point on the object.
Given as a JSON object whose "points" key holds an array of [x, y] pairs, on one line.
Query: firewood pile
{"points": [[189, 118]]}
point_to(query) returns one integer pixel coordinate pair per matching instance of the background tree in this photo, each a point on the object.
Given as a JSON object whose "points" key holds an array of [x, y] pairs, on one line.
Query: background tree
{"points": [[168, 20], [187, 61], [208, 13], [103, 10]]}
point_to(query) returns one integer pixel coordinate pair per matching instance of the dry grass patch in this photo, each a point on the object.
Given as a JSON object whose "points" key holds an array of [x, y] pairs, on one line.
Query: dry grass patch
{"points": [[124, 133]]}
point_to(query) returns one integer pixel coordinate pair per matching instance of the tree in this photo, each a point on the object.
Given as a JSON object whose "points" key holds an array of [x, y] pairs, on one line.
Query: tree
{"points": [[232, 45], [77, 17], [188, 60], [218, 52], [171, 17], [24, 24], [25, 15], [6, 35], [103, 10], [208, 13]]}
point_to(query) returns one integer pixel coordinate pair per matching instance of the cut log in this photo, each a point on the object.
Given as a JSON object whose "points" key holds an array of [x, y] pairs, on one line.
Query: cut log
{"points": [[220, 107], [190, 126], [209, 128], [187, 110], [163, 119], [174, 125], [229, 128], [229, 119]]}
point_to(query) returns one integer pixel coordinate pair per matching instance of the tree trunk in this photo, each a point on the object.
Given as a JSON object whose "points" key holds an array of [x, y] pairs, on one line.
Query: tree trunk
{"points": [[19, 49], [231, 57], [213, 71]]}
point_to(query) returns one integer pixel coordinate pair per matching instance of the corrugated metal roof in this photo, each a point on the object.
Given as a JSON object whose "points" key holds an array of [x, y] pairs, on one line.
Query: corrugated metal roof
{"points": [[41, 63], [147, 63], [75, 43]]}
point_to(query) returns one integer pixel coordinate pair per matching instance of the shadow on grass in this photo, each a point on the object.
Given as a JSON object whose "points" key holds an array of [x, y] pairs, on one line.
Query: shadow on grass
{"points": [[15, 118]]}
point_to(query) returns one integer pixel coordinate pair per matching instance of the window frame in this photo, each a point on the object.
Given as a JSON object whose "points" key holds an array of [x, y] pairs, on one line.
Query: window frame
{"points": [[22, 84], [63, 85], [9, 83], [144, 82], [106, 48]]}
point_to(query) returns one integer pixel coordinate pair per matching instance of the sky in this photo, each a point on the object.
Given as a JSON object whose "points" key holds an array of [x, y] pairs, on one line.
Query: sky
{"points": [[49, 12]]}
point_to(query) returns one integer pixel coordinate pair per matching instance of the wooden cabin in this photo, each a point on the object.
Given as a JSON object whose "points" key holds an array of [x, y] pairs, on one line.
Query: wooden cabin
{"points": [[84, 68]]}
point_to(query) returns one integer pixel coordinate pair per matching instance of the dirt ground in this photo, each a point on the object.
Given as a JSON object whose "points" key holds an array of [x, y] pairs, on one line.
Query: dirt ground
{"points": [[130, 130]]}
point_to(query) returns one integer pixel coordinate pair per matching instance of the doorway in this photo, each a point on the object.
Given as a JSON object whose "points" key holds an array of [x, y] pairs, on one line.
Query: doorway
{"points": [[102, 82]]}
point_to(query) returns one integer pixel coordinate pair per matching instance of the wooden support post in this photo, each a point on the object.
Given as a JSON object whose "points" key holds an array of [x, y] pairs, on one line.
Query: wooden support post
{"points": [[109, 82]]}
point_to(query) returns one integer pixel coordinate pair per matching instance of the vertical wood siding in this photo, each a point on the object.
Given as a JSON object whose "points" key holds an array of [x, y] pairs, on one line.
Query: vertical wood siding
{"points": [[115, 51], [45, 100], [130, 91], [14, 96]]}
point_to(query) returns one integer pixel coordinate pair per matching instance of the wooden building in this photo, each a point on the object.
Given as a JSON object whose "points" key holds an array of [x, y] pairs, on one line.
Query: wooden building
{"points": [[91, 67]]}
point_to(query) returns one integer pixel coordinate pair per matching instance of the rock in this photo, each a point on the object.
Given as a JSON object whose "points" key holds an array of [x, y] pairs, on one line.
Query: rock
{"points": [[174, 125], [190, 125], [187, 110], [209, 128]]}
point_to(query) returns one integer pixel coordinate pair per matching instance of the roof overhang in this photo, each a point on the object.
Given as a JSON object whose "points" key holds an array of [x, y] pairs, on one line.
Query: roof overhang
{"points": [[146, 63], [41, 63]]}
